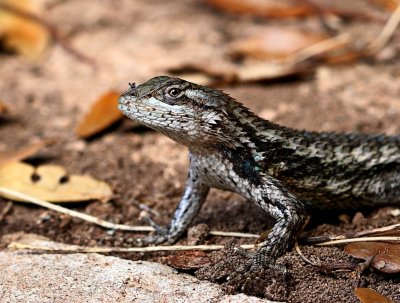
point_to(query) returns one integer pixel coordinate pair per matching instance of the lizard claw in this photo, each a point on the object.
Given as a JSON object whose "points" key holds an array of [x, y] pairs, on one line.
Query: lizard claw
{"points": [[160, 236], [239, 271]]}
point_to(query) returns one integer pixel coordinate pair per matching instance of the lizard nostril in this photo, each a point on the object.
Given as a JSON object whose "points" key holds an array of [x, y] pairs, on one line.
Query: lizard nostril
{"points": [[131, 92]]}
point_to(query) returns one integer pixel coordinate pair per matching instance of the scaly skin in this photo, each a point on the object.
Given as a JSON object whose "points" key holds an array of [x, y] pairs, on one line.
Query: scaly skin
{"points": [[284, 171]]}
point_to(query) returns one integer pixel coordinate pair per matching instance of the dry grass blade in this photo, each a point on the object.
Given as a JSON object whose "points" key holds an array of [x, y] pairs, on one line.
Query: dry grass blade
{"points": [[100, 222], [72, 213], [300, 253], [390, 229], [320, 48], [387, 32], [41, 244], [6, 209], [232, 234], [362, 239]]}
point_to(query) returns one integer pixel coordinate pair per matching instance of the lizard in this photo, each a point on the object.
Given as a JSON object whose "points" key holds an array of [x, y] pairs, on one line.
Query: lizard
{"points": [[286, 172]]}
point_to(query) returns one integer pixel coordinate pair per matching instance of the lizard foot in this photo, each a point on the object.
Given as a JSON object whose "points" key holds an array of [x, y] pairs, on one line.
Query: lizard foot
{"points": [[162, 234], [238, 271]]}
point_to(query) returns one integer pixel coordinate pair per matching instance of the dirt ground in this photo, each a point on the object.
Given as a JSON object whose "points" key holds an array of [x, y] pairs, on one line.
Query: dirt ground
{"points": [[136, 40]]}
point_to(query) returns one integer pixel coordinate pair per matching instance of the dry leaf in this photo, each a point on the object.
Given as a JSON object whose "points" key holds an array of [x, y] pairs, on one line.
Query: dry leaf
{"points": [[268, 9], [188, 260], [23, 35], [51, 183], [203, 74], [3, 107], [247, 73], [103, 113], [275, 43], [23, 153], [268, 71], [286, 8], [366, 295], [385, 256], [388, 4]]}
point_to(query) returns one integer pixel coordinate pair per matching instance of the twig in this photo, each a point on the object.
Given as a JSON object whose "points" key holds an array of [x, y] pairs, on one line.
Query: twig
{"points": [[100, 222], [300, 253], [320, 48], [363, 233], [73, 213], [386, 34], [54, 33], [344, 40], [6, 209], [85, 249], [232, 234], [362, 239]]}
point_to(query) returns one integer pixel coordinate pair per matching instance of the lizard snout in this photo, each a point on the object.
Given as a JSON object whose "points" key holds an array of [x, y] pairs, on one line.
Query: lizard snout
{"points": [[129, 95]]}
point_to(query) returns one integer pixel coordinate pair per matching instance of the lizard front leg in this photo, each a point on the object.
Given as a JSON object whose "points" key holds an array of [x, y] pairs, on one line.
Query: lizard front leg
{"points": [[289, 213], [192, 199]]}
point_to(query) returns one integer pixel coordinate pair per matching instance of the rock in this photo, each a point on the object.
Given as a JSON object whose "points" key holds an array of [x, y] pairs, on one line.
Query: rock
{"points": [[26, 277]]}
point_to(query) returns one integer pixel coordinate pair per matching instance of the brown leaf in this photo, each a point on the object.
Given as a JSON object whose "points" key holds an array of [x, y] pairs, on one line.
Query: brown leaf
{"points": [[239, 74], [3, 107], [23, 35], [23, 153], [268, 9], [388, 4], [268, 71], [51, 183], [103, 113], [385, 256], [286, 8], [188, 260], [366, 295], [203, 74], [275, 43]]}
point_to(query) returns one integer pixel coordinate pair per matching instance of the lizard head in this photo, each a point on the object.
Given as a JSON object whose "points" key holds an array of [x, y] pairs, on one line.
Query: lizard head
{"points": [[188, 113]]}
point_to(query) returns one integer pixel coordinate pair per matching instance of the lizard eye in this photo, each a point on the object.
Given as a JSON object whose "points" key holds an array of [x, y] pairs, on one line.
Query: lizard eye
{"points": [[173, 92]]}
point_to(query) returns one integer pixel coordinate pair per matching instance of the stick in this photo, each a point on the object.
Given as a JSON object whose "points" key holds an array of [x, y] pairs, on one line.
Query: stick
{"points": [[85, 249], [386, 34], [363, 233], [73, 213], [100, 222], [300, 253], [319, 48], [5, 211], [362, 239]]}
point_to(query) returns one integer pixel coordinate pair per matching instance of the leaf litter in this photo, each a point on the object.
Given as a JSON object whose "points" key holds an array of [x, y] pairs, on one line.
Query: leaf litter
{"points": [[101, 115], [385, 257]]}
